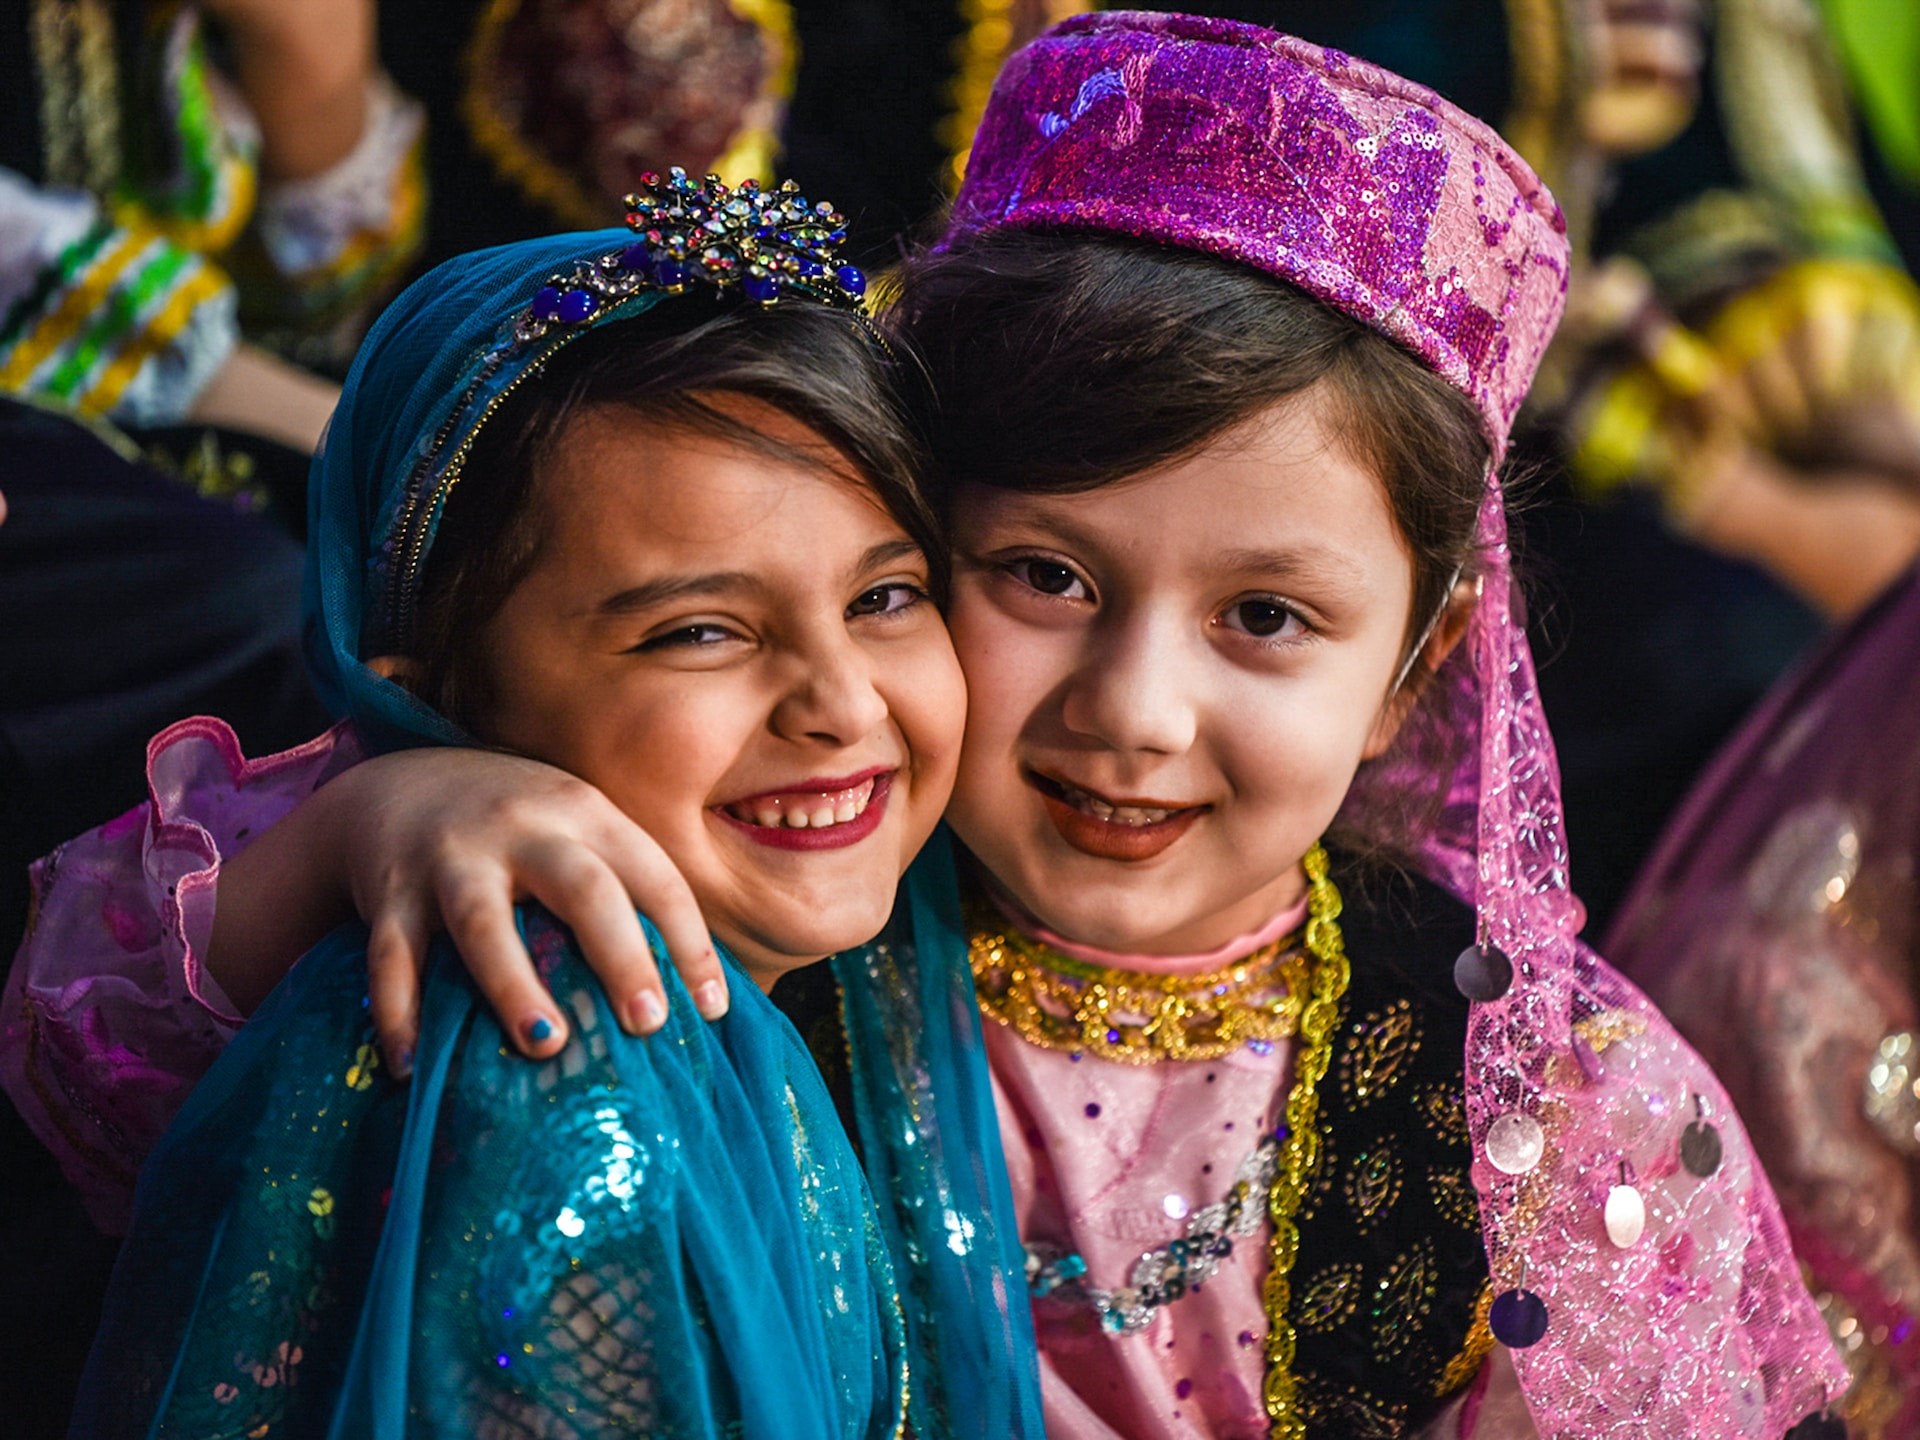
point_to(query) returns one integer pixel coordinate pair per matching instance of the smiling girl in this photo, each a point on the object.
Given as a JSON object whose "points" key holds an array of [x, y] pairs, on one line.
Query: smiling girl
{"points": [[672, 545], [1227, 333]]}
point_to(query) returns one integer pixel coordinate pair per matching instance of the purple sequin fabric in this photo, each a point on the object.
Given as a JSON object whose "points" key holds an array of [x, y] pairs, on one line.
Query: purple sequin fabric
{"points": [[1394, 206]]}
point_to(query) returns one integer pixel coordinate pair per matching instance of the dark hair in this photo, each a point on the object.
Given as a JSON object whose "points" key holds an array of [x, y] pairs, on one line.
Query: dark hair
{"points": [[823, 367], [1063, 362], [1058, 367]]}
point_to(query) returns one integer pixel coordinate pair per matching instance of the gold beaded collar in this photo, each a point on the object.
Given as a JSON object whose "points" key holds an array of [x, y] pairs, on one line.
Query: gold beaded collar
{"points": [[1131, 1016]]}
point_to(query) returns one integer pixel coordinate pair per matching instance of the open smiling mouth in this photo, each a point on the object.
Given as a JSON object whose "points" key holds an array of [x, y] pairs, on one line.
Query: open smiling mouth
{"points": [[836, 813], [1096, 825]]}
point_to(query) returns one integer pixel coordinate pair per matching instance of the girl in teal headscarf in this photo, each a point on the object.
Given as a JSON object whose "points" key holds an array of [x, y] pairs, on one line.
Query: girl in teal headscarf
{"points": [[674, 547]]}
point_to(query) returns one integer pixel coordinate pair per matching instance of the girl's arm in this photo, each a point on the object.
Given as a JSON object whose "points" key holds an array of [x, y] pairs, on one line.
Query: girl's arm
{"points": [[131, 979]]}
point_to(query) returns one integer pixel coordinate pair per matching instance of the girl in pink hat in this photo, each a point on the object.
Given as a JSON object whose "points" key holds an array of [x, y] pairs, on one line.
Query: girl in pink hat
{"points": [[1317, 1117]]}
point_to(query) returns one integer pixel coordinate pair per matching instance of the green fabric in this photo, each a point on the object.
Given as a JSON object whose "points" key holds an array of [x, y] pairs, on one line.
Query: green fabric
{"points": [[1879, 44]]}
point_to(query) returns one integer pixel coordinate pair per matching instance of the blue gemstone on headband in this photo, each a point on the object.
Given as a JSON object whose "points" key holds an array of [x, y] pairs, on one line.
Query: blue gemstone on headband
{"points": [[810, 269], [670, 273], [546, 303], [763, 288], [637, 257], [851, 279], [577, 305]]}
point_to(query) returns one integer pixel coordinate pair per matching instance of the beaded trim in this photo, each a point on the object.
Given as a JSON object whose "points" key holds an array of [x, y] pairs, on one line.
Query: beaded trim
{"points": [[1300, 1141], [1129, 1016], [1162, 1275]]}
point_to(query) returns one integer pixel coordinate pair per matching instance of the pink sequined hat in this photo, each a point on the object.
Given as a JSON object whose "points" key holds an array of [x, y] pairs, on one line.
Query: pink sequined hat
{"points": [[1316, 167]]}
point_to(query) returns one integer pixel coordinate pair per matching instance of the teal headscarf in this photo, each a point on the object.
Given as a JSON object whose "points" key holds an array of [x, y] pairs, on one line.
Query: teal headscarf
{"points": [[670, 1236]]}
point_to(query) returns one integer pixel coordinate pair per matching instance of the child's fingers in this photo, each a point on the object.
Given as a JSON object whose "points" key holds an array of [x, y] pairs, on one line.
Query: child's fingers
{"points": [[476, 906], [576, 885], [657, 887], [397, 943]]}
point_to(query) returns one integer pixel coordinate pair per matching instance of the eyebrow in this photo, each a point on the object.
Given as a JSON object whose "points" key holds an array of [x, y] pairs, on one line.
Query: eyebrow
{"points": [[1312, 563], [669, 589], [1315, 564]]}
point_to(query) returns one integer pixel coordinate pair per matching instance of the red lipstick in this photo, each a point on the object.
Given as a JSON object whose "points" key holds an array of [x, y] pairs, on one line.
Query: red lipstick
{"points": [[835, 836], [1112, 839]]}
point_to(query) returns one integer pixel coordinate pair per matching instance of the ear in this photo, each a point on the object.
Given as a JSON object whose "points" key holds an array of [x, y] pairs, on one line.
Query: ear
{"points": [[403, 670], [1449, 629]]}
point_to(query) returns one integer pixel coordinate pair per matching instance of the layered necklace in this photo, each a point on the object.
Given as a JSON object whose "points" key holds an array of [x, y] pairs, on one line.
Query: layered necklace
{"points": [[1280, 991], [1129, 1016]]}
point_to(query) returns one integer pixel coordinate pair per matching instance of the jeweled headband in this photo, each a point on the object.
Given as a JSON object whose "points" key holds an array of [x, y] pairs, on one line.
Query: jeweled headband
{"points": [[765, 245], [1324, 170]]}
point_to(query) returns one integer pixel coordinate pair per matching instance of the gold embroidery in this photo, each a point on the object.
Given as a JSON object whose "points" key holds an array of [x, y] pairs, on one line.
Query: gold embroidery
{"points": [[1384, 1044], [1319, 1181], [1374, 1181], [1330, 1298], [1454, 1199], [1443, 1109], [1299, 1151], [1403, 1299], [1351, 1413]]}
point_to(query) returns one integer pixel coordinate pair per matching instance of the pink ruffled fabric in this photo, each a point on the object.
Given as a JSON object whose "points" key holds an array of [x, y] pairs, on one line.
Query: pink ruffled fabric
{"points": [[109, 1015]]}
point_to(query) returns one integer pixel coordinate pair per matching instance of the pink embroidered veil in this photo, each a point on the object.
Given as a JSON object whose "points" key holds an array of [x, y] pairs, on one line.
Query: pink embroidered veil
{"points": [[1387, 202]]}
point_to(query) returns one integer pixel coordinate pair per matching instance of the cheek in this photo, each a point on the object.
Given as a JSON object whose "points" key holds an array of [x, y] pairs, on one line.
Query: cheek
{"points": [[659, 752], [1010, 668], [927, 695], [1291, 741]]}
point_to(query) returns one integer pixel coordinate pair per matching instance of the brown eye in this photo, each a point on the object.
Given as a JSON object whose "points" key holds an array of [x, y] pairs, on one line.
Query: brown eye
{"points": [[1048, 577], [1264, 619], [887, 599]]}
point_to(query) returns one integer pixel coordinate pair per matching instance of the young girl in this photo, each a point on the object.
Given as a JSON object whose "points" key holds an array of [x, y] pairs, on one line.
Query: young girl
{"points": [[1229, 332], [674, 547]]}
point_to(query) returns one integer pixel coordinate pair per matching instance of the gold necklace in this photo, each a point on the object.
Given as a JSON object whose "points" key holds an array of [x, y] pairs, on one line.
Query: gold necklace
{"points": [[1300, 1150], [1313, 1000], [1130, 1016]]}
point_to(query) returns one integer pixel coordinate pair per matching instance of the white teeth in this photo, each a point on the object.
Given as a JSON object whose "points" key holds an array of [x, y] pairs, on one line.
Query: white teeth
{"points": [[1135, 815], [801, 811]]}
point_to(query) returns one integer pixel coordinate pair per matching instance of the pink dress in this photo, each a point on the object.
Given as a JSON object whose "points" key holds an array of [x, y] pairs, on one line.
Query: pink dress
{"points": [[110, 1018], [1106, 1161]]}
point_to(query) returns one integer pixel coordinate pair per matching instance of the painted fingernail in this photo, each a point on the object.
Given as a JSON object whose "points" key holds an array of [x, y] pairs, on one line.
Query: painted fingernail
{"points": [[711, 999], [651, 1009], [539, 1029], [403, 1062]]}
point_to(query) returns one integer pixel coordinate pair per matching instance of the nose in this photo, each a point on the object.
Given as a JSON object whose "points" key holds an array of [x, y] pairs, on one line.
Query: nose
{"points": [[834, 696], [1133, 689]]}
